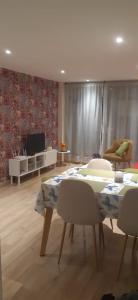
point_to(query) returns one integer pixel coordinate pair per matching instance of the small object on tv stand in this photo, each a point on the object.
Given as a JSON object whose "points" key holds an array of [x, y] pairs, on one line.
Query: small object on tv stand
{"points": [[49, 148], [24, 152]]}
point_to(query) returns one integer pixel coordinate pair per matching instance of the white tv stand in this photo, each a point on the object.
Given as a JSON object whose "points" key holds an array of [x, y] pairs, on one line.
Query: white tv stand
{"points": [[22, 165]]}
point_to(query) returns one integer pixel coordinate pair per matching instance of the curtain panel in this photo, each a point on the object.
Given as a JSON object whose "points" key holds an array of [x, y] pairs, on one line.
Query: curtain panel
{"points": [[98, 113], [83, 119], [120, 114]]}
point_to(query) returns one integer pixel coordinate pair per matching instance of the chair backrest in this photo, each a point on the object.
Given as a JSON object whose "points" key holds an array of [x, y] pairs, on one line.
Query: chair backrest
{"points": [[77, 203], [128, 213], [99, 163]]}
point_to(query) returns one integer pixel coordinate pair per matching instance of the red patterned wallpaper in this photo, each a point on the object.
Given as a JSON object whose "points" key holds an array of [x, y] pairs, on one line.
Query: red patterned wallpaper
{"points": [[28, 104]]}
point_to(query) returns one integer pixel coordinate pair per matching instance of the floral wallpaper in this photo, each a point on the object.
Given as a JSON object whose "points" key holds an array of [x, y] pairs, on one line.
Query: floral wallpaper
{"points": [[28, 104]]}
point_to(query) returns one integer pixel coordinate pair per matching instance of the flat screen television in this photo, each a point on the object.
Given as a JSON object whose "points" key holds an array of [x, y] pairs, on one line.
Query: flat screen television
{"points": [[35, 143]]}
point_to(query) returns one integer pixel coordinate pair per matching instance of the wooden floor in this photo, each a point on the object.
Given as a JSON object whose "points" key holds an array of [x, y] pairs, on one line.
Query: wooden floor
{"points": [[27, 276]]}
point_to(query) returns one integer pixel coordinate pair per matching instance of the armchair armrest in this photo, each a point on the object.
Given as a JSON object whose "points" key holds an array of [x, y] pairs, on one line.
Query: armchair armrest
{"points": [[109, 150]]}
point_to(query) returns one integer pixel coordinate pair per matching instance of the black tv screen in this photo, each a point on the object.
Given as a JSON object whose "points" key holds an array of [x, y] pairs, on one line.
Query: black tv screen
{"points": [[35, 143]]}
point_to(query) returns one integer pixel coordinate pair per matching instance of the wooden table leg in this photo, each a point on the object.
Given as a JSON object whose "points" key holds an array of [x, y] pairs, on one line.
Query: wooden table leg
{"points": [[46, 229]]}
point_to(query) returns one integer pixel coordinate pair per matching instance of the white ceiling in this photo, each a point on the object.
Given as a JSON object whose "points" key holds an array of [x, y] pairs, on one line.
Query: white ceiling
{"points": [[46, 36]]}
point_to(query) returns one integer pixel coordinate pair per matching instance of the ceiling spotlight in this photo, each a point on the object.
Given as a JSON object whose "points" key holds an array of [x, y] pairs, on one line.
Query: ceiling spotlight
{"points": [[87, 80], [7, 51], [62, 71], [119, 40]]}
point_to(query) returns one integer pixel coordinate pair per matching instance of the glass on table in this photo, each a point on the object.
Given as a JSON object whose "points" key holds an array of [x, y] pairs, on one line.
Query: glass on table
{"points": [[119, 177]]}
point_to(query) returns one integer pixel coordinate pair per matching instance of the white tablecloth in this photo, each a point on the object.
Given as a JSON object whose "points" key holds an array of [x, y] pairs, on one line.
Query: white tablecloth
{"points": [[109, 198]]}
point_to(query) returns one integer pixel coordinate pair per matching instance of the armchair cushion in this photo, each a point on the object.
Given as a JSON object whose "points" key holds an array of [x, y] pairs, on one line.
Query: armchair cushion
{"points": [[122, 148]]}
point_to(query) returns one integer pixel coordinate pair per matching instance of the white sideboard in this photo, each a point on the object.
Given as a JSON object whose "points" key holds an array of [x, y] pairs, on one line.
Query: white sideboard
{"points": [[22, 165]]}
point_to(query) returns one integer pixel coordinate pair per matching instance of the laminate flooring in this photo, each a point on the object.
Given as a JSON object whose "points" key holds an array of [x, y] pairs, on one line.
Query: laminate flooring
{"points": [[27, 276]]}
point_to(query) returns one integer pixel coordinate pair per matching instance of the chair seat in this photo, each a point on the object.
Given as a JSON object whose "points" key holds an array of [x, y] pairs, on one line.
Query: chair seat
{"points": [[114, 157]]}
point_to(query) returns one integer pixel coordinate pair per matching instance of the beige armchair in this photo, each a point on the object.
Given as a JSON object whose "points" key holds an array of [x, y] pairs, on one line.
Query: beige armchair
{"points": [[113, 157]]}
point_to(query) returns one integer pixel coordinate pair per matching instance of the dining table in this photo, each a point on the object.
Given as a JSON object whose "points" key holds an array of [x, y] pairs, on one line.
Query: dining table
{"points": [[109, 193]]}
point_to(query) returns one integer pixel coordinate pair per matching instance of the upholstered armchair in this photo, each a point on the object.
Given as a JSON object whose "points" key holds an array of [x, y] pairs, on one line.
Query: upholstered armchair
{"points": [[111, 155]]}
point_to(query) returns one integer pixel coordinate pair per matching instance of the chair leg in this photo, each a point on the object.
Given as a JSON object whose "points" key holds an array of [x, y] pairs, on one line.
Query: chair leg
{"points": [[101, 235], [111, 222], [129, 164], [134, 244], [71, 232], [102, 232], [122, 256], [95, 246], [62, 241]]}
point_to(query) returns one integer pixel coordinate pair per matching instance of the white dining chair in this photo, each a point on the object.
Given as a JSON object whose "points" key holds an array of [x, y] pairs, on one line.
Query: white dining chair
{"points": [[103, 164], [99, 163], [128, 220], [78, 205]]}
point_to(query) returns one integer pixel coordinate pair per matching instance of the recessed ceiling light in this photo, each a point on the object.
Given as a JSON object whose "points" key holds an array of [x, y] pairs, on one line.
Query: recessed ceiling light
{"points": [[119, 40], [62, 71], [87, 80], [7, 51]]}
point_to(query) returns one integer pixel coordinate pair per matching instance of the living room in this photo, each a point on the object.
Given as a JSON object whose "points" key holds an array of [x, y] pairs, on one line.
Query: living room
{"points": [[68, 91]]}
